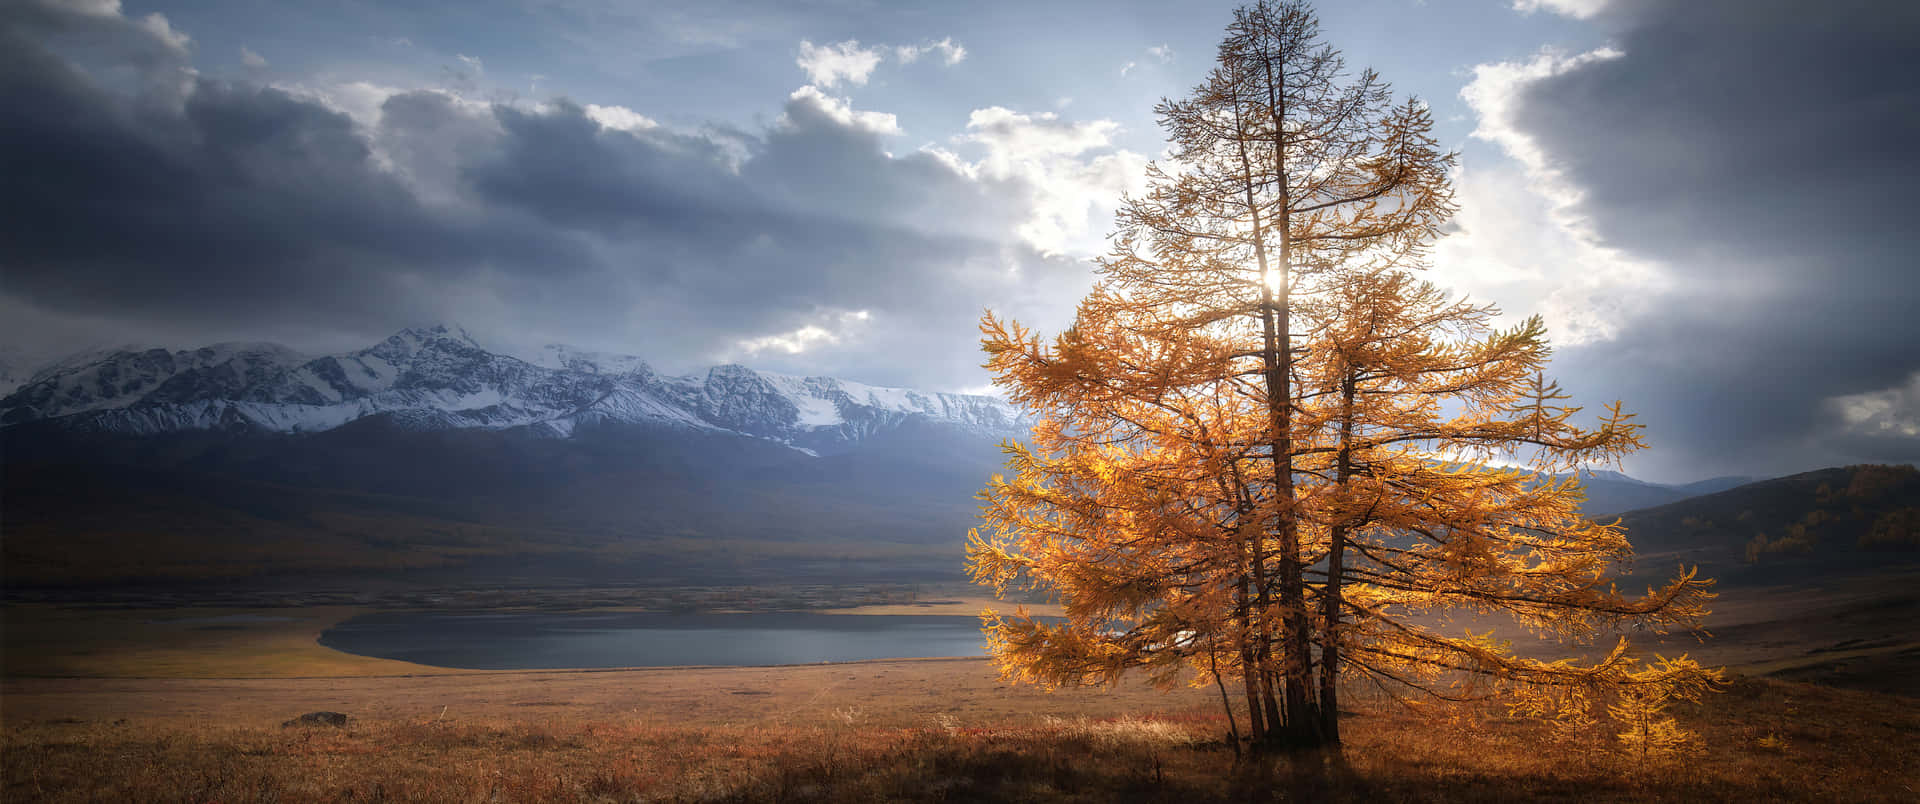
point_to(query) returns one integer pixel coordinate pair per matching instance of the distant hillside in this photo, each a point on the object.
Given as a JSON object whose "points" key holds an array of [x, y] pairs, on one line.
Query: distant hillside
{"points": [[1610, 493], [427, 452], [1831, 519], [466, 464], [1713, 485], [615, 501]]}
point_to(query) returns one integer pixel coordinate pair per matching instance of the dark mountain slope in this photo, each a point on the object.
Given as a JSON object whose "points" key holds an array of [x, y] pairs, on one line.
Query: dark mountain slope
{"points": [[1612, 492], [374, 496], [1782, 530], [1713, 485]]}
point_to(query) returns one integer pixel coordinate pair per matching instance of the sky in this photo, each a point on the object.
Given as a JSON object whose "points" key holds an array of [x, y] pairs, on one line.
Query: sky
{"points": [[1709, 201]]}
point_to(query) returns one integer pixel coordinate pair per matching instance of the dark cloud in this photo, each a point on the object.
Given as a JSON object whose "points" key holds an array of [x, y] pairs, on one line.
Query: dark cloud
{"points": [[1761, 151], [232, 201], [568, 170], [172, 203]]}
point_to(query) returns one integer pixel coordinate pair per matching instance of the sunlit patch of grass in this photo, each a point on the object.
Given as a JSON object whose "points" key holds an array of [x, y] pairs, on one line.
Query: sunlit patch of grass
{"points": [[1126, 730], [181, 643]]}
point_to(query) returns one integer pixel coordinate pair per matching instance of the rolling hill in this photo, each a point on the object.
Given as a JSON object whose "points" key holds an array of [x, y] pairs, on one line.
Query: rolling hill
{"points": [[1831, 520]]}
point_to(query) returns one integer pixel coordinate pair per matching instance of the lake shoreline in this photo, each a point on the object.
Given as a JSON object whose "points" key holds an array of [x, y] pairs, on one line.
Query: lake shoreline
{"points": [[145, 640], [541, 640]]}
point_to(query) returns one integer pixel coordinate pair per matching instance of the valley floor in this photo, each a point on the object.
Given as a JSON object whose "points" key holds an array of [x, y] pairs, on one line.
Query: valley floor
{"points": [[187, 705], [891, 730]]}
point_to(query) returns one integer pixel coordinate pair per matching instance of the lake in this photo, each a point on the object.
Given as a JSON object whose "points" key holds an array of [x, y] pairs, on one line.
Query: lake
{"points": [[539, 641]]}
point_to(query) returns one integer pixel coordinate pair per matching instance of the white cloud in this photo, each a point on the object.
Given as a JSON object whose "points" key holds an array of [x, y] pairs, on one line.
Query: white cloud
{"points": [[1072, 170], [1508, 247], [157, 25], [360, 100], [1012, 136], [252, 60], [1494, 95], [1577, 9], [97, 8], [1501, 233], [848, 62], [473, 63], [952, 52], [842, 111], [1127, 68], [619, 117], [831, 329], [1520, 233], [833, 64], [1878, 414]]}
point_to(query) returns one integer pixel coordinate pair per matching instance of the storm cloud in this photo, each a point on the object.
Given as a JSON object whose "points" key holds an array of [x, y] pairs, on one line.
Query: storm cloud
{"points": [[142, 193], [1720, 224], [1760, 153]]}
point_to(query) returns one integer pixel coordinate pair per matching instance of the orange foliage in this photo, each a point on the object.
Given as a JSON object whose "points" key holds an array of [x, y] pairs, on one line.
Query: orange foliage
{"points": [[1264, 444]]}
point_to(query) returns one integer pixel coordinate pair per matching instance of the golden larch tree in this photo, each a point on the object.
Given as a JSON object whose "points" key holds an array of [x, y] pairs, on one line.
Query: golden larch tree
{"points": [[1263, 444]]}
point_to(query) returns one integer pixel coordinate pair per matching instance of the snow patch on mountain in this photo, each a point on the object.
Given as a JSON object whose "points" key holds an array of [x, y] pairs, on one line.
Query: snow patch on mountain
{"points": [[1609, 474], [557, 356], [441, 378]]}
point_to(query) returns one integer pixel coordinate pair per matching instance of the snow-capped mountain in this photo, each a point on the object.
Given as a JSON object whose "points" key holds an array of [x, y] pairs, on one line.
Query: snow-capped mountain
{"points": [[440, 378], [15, 369], [1618, 477]]}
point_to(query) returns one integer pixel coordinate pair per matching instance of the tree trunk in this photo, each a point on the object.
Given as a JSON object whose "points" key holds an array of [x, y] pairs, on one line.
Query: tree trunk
{"points": [[1226, 703], [1277, 322], [1283, 718], [1336, 569], [1256, 725]]}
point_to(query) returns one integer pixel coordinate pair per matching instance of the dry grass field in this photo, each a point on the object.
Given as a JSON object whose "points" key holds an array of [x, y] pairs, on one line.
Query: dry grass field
{"points": [[877, 731], [144, 705]]}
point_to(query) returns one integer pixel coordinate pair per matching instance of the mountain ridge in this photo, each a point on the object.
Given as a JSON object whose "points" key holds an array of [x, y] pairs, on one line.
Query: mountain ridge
{"points": [[1610, 492], [441, 378], [427, 450]]}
